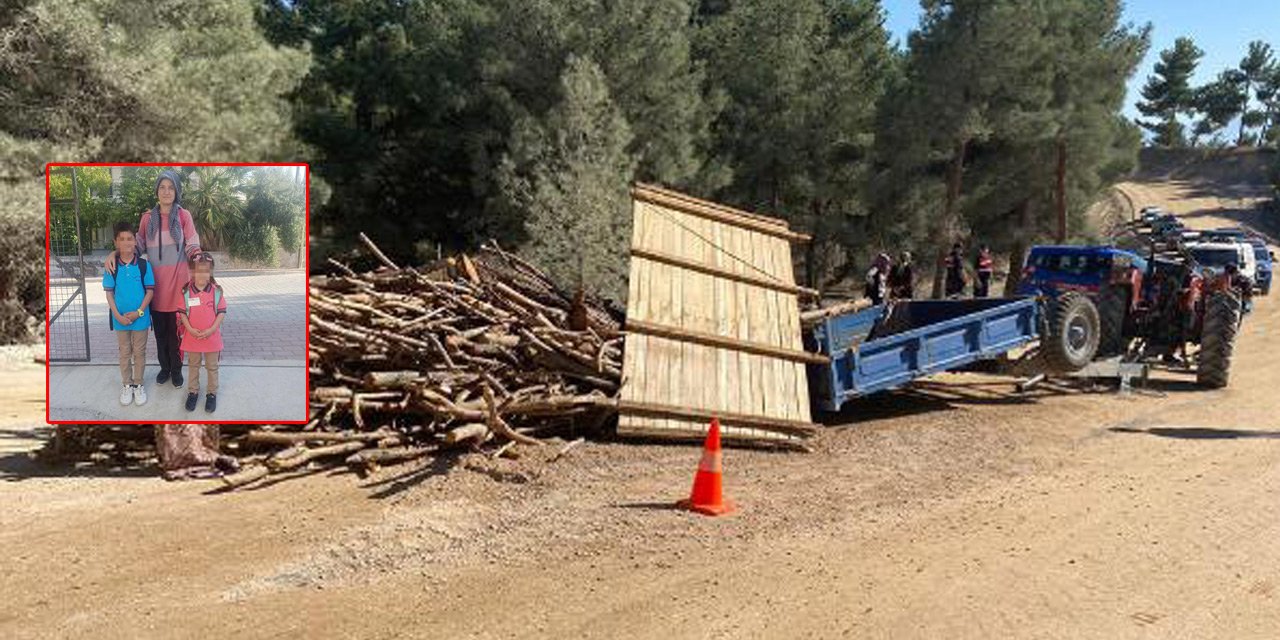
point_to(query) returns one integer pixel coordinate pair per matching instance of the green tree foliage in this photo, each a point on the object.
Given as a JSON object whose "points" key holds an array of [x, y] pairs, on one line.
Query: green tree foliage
{"points": [[215, 196], [412, 106], [564, 171], [1220, 102], [273, 216], [121, 81], [999, 100], [1269, 96], [97, 208], [797, 132], [1169, 93], [1256, 72]]}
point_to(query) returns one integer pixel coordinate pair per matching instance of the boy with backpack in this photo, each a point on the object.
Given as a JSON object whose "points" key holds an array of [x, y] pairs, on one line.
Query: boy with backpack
{"points": [[130, 286]]}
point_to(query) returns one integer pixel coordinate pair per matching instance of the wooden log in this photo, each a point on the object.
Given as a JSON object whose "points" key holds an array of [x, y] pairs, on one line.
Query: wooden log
{"points": [[466, 432], [292, 438], [245, 476], [373, 248], [307, 455], [723, 342], [815, 316], [391, 379], [328, 394], [716, 214], [384, 456], [714, 205], [499, 426], [753, 280], [764, 423]]}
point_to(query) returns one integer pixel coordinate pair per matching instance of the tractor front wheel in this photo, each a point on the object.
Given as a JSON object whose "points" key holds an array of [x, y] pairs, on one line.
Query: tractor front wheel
{"points": [[1073, 332], [1222, 312]]}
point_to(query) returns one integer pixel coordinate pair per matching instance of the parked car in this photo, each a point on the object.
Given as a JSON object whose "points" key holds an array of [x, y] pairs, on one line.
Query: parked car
{"points": [[1266, 261], [1213, 257]]}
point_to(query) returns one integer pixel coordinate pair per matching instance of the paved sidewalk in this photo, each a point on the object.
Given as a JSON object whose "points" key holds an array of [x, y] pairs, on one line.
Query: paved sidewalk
{"points": [[256, 391], [266, 320]]}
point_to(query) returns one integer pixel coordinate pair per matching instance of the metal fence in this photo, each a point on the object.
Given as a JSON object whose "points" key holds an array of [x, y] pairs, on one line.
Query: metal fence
{"points": [[68, 335]]}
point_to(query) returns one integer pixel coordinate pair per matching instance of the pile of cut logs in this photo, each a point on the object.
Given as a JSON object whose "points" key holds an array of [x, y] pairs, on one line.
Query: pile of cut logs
{"points": [[472, 351]]}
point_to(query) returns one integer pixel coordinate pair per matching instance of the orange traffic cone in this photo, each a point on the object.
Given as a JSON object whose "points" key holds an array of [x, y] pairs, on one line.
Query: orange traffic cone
{"points": [[706, 497]]}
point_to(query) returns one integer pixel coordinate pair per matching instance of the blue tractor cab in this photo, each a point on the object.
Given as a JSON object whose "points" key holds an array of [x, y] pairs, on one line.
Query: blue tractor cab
{"points": [[1051, 270]]}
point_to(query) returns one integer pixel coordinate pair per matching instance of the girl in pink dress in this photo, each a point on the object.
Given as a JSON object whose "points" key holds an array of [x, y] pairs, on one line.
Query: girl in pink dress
{"points": [[204, 308]]}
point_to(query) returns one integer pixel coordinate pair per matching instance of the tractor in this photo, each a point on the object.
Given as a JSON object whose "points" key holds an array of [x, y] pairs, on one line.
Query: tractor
{"points": [[1181, 303], [1111, 277]]}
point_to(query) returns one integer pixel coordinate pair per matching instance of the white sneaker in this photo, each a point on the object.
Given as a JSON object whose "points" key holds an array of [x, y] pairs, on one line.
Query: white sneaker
{"points": [[126, 394], [139, 395]]}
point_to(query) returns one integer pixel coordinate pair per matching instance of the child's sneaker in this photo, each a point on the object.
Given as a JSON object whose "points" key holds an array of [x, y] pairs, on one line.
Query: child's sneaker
{"points": [[139, 395], [126, 394], [210, 403], [162, 377], [191, 401], [177, 378]]}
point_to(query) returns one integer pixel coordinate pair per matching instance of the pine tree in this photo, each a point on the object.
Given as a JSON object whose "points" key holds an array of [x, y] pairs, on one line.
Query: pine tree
{"points": [[410, 106], [797, 132], [1006, 124], [1221, 101], [121, 81], [1255, 71], [1168, 93], [568, 171]]}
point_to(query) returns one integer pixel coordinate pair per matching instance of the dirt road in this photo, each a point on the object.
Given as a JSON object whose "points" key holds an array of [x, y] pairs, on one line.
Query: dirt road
{"points": [[957, 509]]}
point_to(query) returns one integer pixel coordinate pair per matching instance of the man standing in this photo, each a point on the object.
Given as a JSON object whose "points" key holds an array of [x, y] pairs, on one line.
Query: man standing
{"points": [[902, 282], [985, 267], [878, 279], [955, 272]]}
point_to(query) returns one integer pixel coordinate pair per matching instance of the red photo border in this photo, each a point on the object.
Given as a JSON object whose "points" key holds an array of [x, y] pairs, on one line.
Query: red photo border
{"points": [[306, 243]]}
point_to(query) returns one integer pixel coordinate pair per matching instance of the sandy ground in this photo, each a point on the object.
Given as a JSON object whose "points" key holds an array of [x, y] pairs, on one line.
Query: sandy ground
{"points": [[957, 509]]}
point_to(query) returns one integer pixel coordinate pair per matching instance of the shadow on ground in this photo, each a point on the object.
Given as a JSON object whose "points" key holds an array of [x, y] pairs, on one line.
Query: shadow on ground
{"points": [[1198, 433], [927, 396], [15, 467]]}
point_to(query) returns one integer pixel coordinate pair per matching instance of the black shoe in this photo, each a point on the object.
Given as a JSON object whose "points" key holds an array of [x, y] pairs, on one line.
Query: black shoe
{"points": [[210, 403], [191, 401], [162, 377], [177, 378]]}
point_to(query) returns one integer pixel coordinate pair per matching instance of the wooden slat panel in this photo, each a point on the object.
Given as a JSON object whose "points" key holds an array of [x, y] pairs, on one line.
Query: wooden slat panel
{"points": [[701, 378]]}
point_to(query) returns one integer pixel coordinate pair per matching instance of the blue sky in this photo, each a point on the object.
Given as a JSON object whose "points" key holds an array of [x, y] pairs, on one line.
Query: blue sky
{"points": [[1222, 28]]}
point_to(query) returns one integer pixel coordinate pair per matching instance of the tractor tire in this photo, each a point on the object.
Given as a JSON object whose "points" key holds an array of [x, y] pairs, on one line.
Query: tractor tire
{"points": [[1072, 333], [1222, 312], [1113, 308]]}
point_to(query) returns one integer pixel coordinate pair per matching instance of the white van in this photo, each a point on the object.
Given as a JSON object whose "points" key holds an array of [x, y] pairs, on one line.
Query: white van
{"points": [[1215, 256]]}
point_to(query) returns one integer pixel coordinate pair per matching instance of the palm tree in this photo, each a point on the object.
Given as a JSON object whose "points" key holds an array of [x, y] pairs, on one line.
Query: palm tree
{"points": [[216, 197]]}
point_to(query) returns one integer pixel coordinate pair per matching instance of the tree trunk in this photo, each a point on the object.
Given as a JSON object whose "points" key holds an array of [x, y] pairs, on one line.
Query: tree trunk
{"points": [[947, 226], [1244, 110], [1024, 237], [812, 273], [1062, 190]]}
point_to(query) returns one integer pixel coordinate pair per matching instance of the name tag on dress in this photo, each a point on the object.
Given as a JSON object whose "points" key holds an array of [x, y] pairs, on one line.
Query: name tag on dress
{"points": [[194, 302]]}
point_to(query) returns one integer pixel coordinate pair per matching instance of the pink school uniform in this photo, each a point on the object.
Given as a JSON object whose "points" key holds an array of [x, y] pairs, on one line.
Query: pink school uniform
{"points": [[202, 308]]}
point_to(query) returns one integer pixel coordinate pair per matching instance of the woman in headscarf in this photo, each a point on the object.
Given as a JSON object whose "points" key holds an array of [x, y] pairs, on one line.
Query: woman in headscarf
{"points": [[167, 236]]}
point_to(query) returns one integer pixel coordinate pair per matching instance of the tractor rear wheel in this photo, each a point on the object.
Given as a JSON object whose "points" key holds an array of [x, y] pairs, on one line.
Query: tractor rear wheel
{"points": [[1073, 332], [1217, 342], [1113, 307]]}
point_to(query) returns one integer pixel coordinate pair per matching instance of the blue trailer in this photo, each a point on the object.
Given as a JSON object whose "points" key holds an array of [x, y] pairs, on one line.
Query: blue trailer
{"points": [[887, 346]]}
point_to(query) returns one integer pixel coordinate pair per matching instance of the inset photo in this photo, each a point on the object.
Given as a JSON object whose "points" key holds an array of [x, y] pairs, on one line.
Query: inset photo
{"points": [[177, 293]]}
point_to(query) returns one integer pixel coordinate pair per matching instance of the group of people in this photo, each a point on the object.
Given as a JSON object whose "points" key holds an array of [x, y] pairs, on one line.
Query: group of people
{"points": [[887, 280], [158, 278]]}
